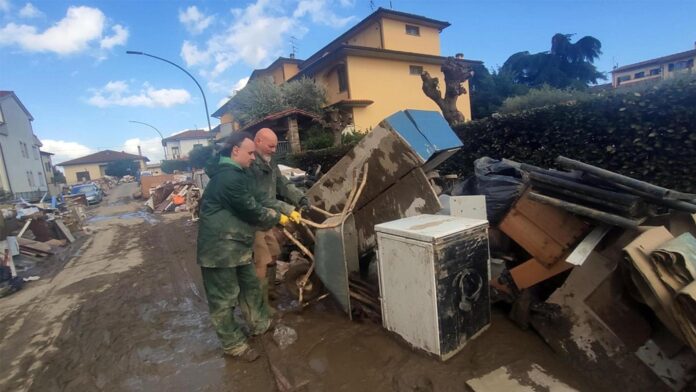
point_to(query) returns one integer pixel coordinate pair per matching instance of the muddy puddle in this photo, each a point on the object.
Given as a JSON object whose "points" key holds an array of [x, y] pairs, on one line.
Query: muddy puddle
{"points": [[144, 215]]}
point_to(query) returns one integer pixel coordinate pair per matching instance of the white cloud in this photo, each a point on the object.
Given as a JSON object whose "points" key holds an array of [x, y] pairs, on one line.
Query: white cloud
{"points": [[29, 11], [75, 33], [117, 93], [224, 87], [151, 148], [5, 5], [194, 20], [192, 55], [320, 12], [65, 151], [119, 37]]}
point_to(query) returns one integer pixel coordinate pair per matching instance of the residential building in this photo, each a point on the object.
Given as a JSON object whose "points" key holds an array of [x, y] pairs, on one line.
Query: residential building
{"points": [[21, 170], [93, 166], [180, 145], [155, 169], [47, 166], [660, 68], [370, 71]]}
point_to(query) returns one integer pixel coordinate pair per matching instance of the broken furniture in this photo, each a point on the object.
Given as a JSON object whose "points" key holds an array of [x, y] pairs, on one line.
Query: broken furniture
{"points": [[433, 278], [398, 152]]}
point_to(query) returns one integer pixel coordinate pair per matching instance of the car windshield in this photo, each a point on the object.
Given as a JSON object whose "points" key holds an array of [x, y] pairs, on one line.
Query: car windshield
{"points": [[85, 189]]}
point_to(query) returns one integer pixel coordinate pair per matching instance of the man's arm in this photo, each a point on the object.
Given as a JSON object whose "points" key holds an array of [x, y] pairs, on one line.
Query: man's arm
{"points": [[239, 198]]}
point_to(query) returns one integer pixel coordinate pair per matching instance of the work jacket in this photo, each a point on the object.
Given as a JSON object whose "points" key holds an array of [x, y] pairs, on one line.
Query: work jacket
{"points": [[273, 184], [232, 210]]}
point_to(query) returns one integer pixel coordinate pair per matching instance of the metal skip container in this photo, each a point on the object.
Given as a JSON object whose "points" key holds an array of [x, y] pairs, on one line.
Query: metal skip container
{"points": [[433, 278]]}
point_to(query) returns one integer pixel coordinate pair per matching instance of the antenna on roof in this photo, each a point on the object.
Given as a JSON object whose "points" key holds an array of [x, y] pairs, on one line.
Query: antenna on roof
{"points": [[390, 5], [372, 5], [293, 46]]}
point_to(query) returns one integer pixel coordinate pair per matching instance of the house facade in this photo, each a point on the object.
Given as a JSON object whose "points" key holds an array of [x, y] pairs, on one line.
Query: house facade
{"points": [[370, 71], [180, 145], [660, 68], [93, 166], [21, 170]]}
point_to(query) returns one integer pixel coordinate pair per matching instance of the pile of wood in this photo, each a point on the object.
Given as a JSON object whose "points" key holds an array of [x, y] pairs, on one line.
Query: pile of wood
{"points": [[364, 299], [602, 195]]}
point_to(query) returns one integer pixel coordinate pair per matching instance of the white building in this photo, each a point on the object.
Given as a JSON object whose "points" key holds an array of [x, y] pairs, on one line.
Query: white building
{"points": [[180, 145], [21, 167]]}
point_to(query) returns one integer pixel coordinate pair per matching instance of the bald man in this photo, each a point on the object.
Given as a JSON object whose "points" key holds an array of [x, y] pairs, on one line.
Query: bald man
{"points": [[274, 185]]}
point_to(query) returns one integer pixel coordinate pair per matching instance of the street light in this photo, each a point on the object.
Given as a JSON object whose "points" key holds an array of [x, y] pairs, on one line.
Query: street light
{"points": [[205, 102], [157, 130]]}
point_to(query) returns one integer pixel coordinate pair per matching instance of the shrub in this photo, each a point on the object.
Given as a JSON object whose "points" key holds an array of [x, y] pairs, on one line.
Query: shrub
{"points": [[648, 135], [169, 166], [544, 96], [316, 138]]}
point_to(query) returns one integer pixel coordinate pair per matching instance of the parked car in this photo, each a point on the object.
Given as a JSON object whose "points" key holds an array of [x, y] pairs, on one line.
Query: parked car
{"points": [[91, 191]]}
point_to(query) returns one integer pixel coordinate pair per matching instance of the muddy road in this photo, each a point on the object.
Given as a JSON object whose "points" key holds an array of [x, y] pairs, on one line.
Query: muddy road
{"points": [[128, 313]]}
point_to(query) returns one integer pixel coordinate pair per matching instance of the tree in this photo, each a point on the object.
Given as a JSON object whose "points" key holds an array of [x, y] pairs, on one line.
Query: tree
{"points": [[456, 73], [172, 165], [490, 89], [124, 167], [262, 97], [58, 177], [199, 156], [567, 65]]}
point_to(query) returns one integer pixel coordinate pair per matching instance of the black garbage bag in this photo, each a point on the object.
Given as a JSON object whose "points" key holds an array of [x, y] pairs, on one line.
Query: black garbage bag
{"points": [[500, 182]]}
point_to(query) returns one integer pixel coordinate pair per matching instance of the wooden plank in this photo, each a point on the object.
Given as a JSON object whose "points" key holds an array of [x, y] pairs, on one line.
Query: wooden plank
{"points": [[35, 246], [565, 228], [26, 226], [532, 272], [530, 237], [66, 232]]}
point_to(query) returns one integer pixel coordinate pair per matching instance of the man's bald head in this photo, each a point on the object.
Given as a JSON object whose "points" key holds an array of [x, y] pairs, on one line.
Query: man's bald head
{"points": [[266, 142]]}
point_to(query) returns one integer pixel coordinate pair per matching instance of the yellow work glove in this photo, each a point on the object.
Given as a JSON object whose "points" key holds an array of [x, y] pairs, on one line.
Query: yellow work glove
{"points": [[296, 217], [284, 220]]}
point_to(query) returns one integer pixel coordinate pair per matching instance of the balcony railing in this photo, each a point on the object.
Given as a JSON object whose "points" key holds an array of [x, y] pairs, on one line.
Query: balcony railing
{"points": [[283, 148]]}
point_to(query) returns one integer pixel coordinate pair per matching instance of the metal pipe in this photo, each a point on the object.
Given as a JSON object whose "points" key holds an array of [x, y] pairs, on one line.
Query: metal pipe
{"points": [[601, 216]]}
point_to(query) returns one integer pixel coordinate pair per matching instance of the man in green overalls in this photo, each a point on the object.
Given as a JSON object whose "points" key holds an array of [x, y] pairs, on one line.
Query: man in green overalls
{"points": [[271, 183], [232, 211]]}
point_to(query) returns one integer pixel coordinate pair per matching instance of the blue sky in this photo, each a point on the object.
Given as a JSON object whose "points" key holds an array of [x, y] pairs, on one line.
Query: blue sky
{"points": [[66, 60]]}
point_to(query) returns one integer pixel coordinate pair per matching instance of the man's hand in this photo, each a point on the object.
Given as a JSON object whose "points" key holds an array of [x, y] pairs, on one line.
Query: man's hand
{"points": [[284, 220], [304, 204], [296, 217]]}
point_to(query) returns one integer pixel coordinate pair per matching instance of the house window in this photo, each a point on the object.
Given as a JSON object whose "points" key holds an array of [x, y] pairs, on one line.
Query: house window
{"points": [[415, 69], [35, 150], [42, 180], [412, 30], [30, 178], [82, 176], [48, 167], [623, 78], [684, 64], [197, 145], [175, 152], [655, 71], [342, 79], [23, 148], [2, 117], [639, 75]]}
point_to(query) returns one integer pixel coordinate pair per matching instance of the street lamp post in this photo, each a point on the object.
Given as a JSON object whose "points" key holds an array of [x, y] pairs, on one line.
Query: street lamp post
{"points": [[158, 132], [205, 102]]}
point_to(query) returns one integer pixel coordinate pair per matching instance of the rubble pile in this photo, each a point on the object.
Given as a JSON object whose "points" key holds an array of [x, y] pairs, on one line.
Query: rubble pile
{"points": [[177, 194], [36, 230], [601, 265]]}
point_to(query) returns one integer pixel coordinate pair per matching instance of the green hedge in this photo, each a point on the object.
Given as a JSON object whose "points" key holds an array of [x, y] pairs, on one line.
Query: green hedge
{"points": [[326, 157], [649, 135]]}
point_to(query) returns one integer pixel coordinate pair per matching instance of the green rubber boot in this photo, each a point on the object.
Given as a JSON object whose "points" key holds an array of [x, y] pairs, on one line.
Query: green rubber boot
{"points": [[266, 301]]}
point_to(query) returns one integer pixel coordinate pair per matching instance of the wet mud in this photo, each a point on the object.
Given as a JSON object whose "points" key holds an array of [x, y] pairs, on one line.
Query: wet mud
{"points": [[145, 327]]}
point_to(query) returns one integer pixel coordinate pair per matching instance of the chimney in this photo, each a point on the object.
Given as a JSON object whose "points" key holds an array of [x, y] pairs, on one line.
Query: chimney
{"points": [[292, 55], [140, 153], [459, 56]]}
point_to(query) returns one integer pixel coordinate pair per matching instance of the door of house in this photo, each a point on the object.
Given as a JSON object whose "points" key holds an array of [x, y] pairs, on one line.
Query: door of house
{"points": [[83, 176]]}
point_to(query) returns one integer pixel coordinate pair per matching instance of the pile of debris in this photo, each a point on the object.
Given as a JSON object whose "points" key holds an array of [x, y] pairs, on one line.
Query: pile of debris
{"points": [[171, 193], [36, 230], [599, 264]]}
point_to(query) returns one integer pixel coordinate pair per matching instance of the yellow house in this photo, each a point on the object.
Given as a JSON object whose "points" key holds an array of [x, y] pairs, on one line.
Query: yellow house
{"points": [[656, 69], [93, 166], [372, 70]]}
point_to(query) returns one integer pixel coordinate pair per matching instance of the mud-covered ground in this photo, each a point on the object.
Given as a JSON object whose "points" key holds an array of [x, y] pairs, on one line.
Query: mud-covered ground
{"points": [[127, 313]]}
